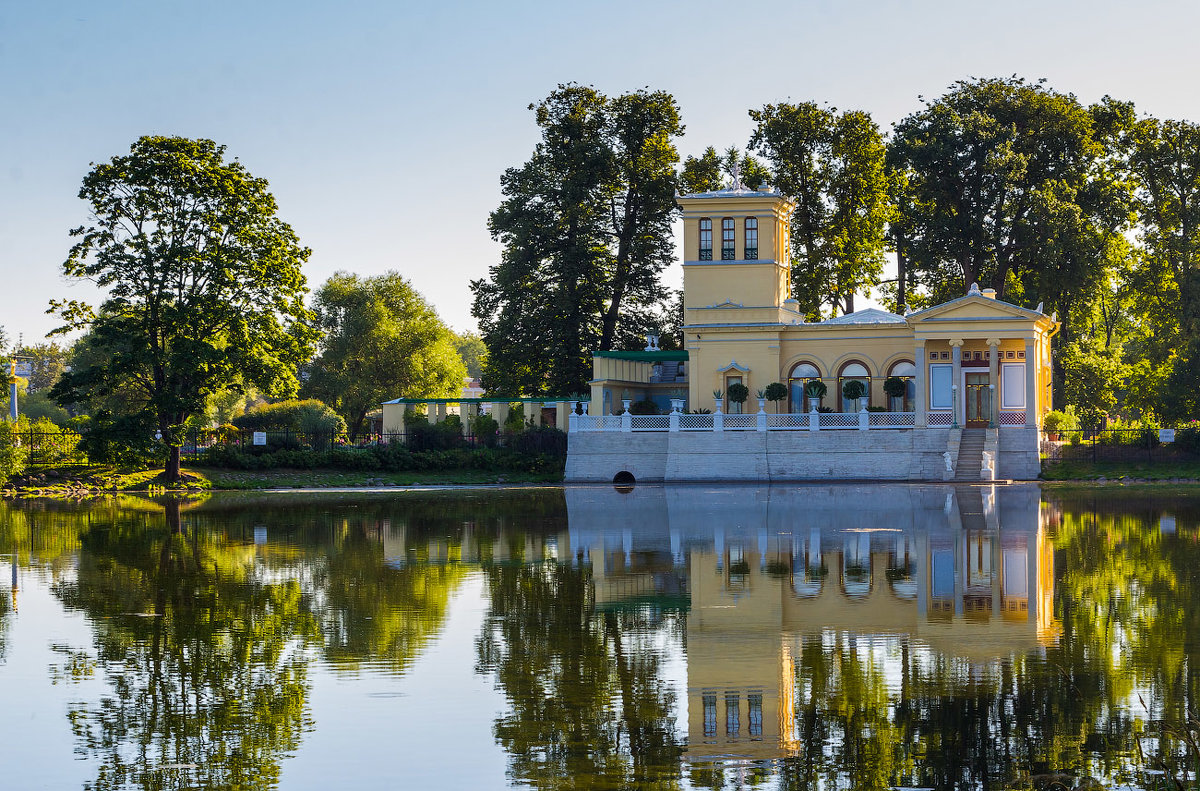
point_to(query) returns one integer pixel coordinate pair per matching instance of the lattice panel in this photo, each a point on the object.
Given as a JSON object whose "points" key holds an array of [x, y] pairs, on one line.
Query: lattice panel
{"points": [[695, 422], [892, 419], [785, 422], [939, 418], [1012, 418], [650, 422], [740, 422], [839, 420]]}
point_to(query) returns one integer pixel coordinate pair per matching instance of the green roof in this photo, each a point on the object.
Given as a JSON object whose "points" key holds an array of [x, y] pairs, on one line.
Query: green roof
{"points": [[648, 357]]}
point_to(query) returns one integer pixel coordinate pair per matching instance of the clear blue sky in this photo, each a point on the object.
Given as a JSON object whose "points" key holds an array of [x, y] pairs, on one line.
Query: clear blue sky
{"points": [[383, 127]]}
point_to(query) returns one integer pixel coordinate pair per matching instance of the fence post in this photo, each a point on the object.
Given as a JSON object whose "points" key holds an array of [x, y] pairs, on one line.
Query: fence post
{"points": [[864, 420], [814, 421]]}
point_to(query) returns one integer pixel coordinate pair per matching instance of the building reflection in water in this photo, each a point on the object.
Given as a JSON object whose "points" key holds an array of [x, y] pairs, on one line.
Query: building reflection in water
{"points": [[966, 572]]}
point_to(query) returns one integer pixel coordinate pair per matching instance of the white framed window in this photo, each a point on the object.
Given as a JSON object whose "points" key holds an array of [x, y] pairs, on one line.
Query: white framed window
{"points": [[940, 379], [1012, 386]]}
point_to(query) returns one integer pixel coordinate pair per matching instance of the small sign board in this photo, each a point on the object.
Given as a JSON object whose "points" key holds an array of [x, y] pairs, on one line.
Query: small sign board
{"points": [[24, 369], [1166, 435], [260, 438]]}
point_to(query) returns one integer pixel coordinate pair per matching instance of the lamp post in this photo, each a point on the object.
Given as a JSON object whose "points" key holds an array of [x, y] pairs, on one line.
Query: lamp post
{"points": [[13, 373]]}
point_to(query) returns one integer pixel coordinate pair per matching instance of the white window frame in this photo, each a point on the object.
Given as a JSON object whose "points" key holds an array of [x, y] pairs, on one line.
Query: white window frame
{"points": [[934, 403], [1017, 372]]}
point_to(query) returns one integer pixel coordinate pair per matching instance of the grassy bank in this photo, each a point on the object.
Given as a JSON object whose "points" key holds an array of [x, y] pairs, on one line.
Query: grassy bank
{"points": [[82, 480], [1099, 471]]}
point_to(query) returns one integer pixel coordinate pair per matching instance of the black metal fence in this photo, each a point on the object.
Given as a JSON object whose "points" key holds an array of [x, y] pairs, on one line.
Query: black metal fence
{"points": [[56, 448], [1138, 445]]}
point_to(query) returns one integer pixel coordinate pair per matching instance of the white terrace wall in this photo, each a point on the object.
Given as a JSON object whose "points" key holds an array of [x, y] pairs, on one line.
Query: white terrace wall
{"points": [[783, 455]]}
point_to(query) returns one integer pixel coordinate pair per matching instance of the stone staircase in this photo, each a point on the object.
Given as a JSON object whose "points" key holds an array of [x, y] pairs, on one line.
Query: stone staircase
{"points": [[970, 455]]}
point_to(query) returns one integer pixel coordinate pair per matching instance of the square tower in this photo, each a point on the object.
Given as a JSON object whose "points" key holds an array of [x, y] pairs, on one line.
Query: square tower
{"points": [[736, 261]]}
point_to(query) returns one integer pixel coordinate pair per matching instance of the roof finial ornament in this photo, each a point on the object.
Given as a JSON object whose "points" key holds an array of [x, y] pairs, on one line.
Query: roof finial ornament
{"points": [[736, 170], [1039, 307], [974, 291]]}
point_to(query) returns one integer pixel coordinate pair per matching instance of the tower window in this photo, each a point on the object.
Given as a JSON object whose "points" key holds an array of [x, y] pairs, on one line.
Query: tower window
{"points": [[705, 239], [728, 251], [751, 238]]}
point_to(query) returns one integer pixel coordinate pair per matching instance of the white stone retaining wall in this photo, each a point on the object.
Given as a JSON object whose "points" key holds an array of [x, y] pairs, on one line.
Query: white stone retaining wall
{"points": [[897, 455]]}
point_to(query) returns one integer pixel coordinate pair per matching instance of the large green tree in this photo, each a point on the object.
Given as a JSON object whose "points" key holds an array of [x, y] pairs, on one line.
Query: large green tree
{"points": [[203, 281], [1011, 185], [47, 362], [712, 171], [1166, 162], [473, 352], [831, 165], [585, 226], [382, 341]]}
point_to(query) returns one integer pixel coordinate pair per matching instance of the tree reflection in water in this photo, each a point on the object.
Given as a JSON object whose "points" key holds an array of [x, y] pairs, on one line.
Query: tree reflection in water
{"points": [[205, 660], [204, 641], [586, 708]]}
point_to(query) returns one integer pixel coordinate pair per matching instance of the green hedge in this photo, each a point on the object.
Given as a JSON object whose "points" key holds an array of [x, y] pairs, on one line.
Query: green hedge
{"points": [[309, 417], [383, 458]]}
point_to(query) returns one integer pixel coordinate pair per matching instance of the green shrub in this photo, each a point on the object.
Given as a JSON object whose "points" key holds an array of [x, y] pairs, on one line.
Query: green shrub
{"points": [[894, 386], [776, 391], [515, 420], [414, 418], [643, 407], [738, 393], [398, 458], [14, 454], [307, 417], [126, 441], [1187, 437], [434, 436], [540, 440], [815, 389], [485, 428], [1060, 421]]}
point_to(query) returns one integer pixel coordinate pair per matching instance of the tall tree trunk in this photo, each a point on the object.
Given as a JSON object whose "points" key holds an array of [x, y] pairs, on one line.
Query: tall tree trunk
{"points": [[172, 472], [901, 273]]}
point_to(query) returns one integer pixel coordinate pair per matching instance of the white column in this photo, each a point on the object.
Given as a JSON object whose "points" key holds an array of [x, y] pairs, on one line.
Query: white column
{"points": [[955, 381], [1031, 381], [994, 380], [919, 384], [596, 407]]}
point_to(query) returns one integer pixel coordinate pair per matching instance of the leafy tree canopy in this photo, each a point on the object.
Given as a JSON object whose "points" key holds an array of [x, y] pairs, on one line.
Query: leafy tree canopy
{"points": [[831, 165], [473, 352], [585, 226], [203, 282], [712, 171], [382, 341]]}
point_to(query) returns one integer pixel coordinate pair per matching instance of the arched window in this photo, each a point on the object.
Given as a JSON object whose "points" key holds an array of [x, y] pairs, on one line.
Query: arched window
{"points": [[854, 372], [801, 374], [728, 251], [705, 239], [906, 371], [751, 239]]}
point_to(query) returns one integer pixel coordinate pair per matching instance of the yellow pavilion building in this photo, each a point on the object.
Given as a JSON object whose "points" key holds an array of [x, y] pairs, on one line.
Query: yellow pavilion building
{"points": [[974, 362]]}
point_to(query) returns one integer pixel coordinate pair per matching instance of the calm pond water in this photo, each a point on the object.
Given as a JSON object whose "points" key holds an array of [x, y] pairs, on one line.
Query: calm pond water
{"points": [[853, 637]]}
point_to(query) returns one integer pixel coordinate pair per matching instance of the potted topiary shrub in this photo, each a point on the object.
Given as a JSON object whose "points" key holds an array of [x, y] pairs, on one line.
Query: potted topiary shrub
{"points": [[776, 391], [815, 390], [854, 391], [894, 387], [738, 393]]}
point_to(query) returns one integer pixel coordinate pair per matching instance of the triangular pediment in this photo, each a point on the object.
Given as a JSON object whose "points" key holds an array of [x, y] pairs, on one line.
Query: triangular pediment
{"points": [[974, 308]]}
